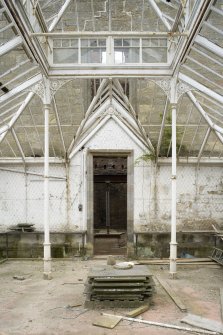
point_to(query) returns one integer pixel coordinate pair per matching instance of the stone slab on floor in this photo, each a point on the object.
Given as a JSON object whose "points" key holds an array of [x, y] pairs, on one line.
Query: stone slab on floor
{"points": [[199, 322], [110, 271], [138, 311], [107, 321], [119, 287]]}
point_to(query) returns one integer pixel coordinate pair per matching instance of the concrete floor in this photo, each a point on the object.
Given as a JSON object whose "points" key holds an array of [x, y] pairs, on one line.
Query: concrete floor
{"points": [[36, 306]]}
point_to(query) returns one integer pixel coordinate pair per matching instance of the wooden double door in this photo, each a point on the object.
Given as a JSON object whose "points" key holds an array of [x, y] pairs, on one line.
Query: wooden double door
{"points": [[110, 214]]}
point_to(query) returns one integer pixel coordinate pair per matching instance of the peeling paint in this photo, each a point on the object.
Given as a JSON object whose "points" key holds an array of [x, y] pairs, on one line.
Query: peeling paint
{"points": [[215, 192], [199, 204]]}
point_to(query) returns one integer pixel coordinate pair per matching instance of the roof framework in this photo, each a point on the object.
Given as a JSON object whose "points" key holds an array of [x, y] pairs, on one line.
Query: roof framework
{"points": [[188, 32]]}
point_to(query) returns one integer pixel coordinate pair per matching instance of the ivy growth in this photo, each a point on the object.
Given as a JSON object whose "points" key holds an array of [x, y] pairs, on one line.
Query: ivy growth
{"points": [[167, 136], [166, 145], [146, 157]]}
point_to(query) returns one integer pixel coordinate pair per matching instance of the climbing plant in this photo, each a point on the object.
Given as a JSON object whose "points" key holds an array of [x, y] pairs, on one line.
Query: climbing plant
{"points": [[167, 136], [166, 145], [146, 157]]}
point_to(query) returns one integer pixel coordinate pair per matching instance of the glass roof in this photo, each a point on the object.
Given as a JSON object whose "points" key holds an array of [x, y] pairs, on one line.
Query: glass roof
{"points": [[195, 57]]}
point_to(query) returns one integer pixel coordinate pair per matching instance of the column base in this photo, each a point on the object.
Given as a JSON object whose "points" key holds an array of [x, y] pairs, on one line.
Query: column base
{"points": [[47, 276], [172, 275], [47, 268], [173, 260]]}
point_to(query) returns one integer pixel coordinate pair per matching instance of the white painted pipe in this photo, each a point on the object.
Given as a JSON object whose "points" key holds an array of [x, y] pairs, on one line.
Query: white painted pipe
{"points": [[173, 242], [84, 189], [47, 245], [163, 325], [31, 173]]}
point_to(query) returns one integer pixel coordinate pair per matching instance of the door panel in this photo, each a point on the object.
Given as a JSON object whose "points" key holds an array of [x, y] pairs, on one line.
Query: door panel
{"points": [[110, 217], [110, 203]]}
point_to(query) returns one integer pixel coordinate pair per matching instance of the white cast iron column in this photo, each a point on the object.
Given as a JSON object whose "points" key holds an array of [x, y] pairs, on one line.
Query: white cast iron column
{"points": [[46, 89], [173, 242], [47, 245]]}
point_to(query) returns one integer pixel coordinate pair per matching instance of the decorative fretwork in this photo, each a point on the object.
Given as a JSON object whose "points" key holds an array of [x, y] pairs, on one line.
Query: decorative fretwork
{"points": [[38, 89], [165, 85], [111, 111], [182, 88], [41, 88]]}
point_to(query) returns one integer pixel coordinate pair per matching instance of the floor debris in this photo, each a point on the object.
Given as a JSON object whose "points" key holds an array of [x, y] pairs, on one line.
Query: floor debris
{"points": [[108, 321], [111, 260], [198, 321], [137, 311], [74, 317], [72, 306], [173, 295], [79, 283], [19, 277], [165, 325], [49, 301], [124, 265], [188, 262], [179, 261]]}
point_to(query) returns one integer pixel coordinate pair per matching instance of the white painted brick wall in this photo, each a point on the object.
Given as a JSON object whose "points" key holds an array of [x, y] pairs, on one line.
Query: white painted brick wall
{"points": [[199, 192], [22, 201]]}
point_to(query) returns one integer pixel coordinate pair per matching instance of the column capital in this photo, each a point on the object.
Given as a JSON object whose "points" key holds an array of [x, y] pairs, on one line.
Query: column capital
{"points": [[47, 88], [173, 105], [182, 88], [48, 106]]}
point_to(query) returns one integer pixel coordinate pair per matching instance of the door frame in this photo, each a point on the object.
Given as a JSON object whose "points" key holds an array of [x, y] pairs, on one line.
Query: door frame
{"points": [[90, 194]]}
